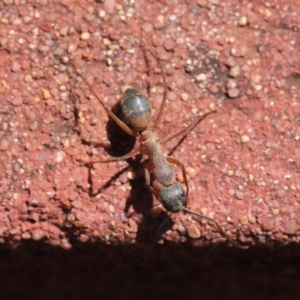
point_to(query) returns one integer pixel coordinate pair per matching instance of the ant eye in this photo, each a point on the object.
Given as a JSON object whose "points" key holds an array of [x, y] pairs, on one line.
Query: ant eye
{"points": [[173, 197]]}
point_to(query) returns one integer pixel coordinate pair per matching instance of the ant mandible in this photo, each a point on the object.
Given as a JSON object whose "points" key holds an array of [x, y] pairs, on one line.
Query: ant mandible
{"points": [[137, 110]]}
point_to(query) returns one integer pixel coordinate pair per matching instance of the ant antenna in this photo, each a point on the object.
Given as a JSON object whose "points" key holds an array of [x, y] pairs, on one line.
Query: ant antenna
{"points": [[163, 223], [198, 215], [234, 243]]}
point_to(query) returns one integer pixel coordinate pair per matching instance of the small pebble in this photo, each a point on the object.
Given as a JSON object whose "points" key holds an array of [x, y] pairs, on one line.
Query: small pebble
{"points": [[255, 78], [233, 93], [64, 31], [71, 48], [234, 71], [59, 156], [83, 238], [230, 173], [169, 44], [37, 234], [4, 144], [243, 21], [147, 27], [191, 171], [65, 244], [123, 178], [239, 194], [245, 139], [201, 77], [34, 125], [111, 209], [231, 192], [131, 175], [213, 89], [193, 232], [28, 78], [184, 97], [244, 220], [46, 94], [290, 227], [85, 36], [26, 236], [181, 228]]}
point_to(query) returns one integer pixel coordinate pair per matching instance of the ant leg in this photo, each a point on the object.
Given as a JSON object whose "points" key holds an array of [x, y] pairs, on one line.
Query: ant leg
{"points": [[175, 161], [121, 124], [163, 103], [187, 129], [113, 159], [148, 170]]}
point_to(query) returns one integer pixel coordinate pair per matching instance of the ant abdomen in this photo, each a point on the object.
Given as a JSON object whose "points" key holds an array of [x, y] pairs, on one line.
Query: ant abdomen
{"points": [[173, 197], [136, 109]]}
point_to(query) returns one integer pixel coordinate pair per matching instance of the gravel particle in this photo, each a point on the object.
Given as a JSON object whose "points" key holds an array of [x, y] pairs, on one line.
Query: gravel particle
{"points": [[239, 194], [83, 238], [59, 156], [131, 175], [243, 21], [34, 125], [193, 232], [255, 78], [191, 171], [160, 19], [72, 48], [169, 44], [234, 71], [201, 77], [244, 220], [111, 209], [37, 234], [26, 236], [181, 228], [46, 94], [147, 27], [85, 36], [245, 139], [230, 173], [231, 192], [184, 97], [28, 78], [233, 93], [64, 31], [290, 227], [65, 244], [251, 218], [213, 89], [4, 144]]}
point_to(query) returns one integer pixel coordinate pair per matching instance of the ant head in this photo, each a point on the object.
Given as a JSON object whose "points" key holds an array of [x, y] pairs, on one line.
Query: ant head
{"points": [[173, 197]]}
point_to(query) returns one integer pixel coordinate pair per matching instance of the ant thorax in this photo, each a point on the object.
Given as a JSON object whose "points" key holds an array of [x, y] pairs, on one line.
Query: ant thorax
{"points": [[162, 170]]}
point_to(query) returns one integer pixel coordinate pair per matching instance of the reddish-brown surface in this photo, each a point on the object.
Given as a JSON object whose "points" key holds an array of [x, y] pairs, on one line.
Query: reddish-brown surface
{"points": [[238, 57]]}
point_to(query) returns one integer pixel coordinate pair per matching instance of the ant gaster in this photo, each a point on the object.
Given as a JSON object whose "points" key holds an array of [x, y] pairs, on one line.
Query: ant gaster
{"points": [[137, 110]]}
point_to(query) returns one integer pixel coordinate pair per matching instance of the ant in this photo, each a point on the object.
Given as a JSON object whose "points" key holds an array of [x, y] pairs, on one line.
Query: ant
{"points": [[159, 174]]}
